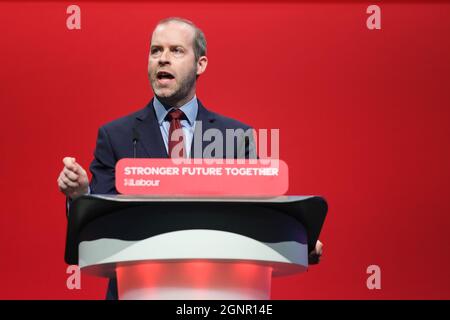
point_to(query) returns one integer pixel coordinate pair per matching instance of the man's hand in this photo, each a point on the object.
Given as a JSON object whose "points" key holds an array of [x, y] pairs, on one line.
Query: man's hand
{"points": [[73, 180], [314, 256]]}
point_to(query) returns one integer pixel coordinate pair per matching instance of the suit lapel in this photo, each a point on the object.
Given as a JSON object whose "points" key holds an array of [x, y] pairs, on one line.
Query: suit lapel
{"points": [[205, 120], [150, 137]]}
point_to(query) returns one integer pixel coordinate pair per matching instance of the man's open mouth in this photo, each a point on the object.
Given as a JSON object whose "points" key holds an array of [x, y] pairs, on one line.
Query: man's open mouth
{"points": [[161, 75]]}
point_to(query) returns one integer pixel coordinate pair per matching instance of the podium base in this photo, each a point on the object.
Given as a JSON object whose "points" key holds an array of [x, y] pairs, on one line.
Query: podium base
{"points": [[193, 280]]}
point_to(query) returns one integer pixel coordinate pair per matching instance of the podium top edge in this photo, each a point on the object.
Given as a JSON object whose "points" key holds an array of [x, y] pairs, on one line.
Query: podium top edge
{"points": [[149, 198]]}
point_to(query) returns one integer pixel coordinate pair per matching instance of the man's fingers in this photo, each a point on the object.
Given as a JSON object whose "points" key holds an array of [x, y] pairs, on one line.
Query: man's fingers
{"points": [[319, 248], [82, 171], [82, 175], [77, 167], [72, 176], [70, 164], [316, 254], [68, 182], [62, 186]]}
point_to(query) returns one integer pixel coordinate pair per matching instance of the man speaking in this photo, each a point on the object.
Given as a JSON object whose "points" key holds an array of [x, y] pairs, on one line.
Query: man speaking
{"points": [[177, 58]]}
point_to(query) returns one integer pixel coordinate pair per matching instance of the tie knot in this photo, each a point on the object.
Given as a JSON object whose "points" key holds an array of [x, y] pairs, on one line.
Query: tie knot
{"points": [[175, 114]]}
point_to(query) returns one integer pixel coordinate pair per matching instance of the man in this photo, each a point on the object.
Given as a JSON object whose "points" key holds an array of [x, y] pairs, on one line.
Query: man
{"points": [[177, 58]]}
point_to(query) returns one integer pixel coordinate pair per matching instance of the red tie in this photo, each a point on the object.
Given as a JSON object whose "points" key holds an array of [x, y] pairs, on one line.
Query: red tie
{"points": [[175, 116]]}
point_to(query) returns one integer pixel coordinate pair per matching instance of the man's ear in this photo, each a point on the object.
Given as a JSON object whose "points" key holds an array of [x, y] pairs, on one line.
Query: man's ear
{"points": [[201, 65]]}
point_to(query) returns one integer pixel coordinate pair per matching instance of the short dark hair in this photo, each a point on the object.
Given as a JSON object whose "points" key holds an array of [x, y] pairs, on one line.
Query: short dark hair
{"points": [[199, 37]]}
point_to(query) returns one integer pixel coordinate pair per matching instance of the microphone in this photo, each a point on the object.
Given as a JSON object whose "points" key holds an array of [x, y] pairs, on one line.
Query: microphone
{"points": [[135, 140]]}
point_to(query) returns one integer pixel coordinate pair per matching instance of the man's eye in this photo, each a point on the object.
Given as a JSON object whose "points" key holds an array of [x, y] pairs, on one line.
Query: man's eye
{"points": [[177, 50], [155, 50]]}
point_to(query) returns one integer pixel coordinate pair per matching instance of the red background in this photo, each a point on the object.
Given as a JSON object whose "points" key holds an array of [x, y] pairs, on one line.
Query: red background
{"points": [[363, 118]]}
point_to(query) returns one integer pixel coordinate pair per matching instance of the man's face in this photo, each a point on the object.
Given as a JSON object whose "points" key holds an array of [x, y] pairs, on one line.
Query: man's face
{"points": [[172, 68]]}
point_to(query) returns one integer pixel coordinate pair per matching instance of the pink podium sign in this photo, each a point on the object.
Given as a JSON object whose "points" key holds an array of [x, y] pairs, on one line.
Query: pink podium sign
{"points": [[233, 178]]}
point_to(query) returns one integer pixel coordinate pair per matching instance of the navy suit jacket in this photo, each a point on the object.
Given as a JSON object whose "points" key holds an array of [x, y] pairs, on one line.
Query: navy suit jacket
{"points": [[115, 141]]}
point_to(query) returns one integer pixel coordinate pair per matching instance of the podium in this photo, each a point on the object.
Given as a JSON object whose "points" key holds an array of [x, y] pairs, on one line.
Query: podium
{"points": [[193, 248]]}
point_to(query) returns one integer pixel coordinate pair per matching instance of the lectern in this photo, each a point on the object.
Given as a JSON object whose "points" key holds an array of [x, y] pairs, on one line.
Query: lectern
{"points": [[193, 248]]}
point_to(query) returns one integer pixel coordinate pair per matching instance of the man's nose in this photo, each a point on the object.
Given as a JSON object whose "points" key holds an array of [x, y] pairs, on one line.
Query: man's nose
{"points": [[164, 58]]}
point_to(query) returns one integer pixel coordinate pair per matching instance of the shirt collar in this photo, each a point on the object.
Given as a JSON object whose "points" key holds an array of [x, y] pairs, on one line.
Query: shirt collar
{"points": [[190, 109]]}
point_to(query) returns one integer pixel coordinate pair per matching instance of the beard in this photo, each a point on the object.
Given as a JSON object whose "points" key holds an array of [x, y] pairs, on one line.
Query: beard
{"points": [[181, 90]]}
